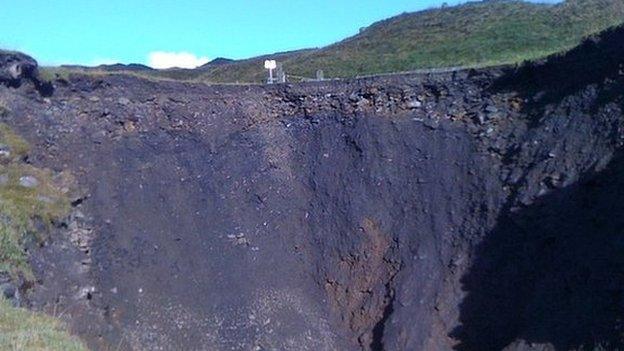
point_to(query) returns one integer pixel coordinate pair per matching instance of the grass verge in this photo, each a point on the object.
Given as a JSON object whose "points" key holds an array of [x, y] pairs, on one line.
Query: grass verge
{"points": [[23, 330]]}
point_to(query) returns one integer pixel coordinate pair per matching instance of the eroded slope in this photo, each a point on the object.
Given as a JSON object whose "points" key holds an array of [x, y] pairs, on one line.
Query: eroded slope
{"points": [[467, 210]]}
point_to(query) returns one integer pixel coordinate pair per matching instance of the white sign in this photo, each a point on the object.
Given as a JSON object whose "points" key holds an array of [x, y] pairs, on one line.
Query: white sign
{"points": [[270, 64]]}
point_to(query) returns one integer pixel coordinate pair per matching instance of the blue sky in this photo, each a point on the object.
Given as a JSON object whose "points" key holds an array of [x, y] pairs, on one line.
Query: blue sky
{"points": [[104, 31]]}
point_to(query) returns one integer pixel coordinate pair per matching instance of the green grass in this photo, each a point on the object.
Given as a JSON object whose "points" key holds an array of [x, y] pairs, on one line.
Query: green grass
{"points": [[23, 330], [17, 145], [25, 211], [52, 73]]}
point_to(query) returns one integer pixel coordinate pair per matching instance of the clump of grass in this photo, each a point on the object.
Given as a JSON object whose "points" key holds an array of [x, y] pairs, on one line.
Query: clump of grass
{"points": [[19, 147], [23, 330], [3, 109], [50, 74], [31, 199]]}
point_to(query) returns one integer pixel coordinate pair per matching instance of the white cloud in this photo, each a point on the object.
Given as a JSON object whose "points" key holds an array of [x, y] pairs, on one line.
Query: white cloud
{"points": [[163, 59]]}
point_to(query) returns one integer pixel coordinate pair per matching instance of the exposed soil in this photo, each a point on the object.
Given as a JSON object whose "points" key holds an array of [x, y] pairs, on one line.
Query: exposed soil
{"points": [[469, 210]]}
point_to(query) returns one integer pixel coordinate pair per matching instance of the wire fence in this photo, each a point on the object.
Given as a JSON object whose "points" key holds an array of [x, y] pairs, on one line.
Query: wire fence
{"points": [[291, 77]]}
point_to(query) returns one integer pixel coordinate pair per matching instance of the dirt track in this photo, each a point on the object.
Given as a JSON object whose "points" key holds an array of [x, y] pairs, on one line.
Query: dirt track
{"points": [[474, 210]]}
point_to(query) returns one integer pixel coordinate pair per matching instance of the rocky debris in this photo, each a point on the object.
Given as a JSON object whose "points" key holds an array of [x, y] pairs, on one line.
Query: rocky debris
{"points": [[17, 68], [456, 96], [63, 267], [239, 239]]}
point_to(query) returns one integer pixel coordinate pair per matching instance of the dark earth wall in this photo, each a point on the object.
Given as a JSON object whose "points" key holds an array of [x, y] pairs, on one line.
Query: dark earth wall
{"points": [[470, 210]]}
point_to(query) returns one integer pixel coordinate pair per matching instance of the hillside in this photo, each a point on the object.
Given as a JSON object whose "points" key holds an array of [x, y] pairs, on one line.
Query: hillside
{"points": [[475, 34], [471, 35], [240, 71]]}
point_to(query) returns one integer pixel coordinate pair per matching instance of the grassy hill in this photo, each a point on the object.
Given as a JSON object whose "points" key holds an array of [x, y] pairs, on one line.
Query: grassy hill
{"points": [[474, 34]]}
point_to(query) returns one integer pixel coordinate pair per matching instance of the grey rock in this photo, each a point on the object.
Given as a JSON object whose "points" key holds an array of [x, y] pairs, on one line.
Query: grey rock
{"points": [[15, 67], [10, 292], [98, 137], [28, 181], [491, 109], [481, 118], [363, 103], [45, 199], [5, 151], [414, 104], [123, 101], [4, 179]]}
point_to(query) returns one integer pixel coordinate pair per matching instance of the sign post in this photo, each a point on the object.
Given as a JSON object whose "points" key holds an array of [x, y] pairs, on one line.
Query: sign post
{"points": [[270, 65]]}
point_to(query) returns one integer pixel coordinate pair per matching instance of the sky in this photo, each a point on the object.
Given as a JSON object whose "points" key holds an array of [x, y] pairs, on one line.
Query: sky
{"points": [[183, 33]]}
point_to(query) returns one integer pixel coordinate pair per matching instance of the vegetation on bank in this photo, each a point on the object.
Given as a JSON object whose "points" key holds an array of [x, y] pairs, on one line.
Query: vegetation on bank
{"points": [[31, 199], [23, 330], [49, 74]]}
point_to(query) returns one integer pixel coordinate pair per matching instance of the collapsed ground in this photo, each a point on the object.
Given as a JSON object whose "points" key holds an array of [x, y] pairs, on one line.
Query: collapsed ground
{"points": [[471, 210]]}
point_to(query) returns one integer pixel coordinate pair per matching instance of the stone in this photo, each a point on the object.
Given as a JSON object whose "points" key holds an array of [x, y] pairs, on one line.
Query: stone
{"points": [[28, 181], [11, 293], [21, 70], [15, 67], [362, 103], [481, 118], [5, 151], [414, 104], [45, 199], [491, 109], [123, 101]]}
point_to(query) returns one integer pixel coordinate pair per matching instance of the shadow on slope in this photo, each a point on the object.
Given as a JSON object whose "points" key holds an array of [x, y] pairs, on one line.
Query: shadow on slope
{"points": [[552, 273], [595, 65]]}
